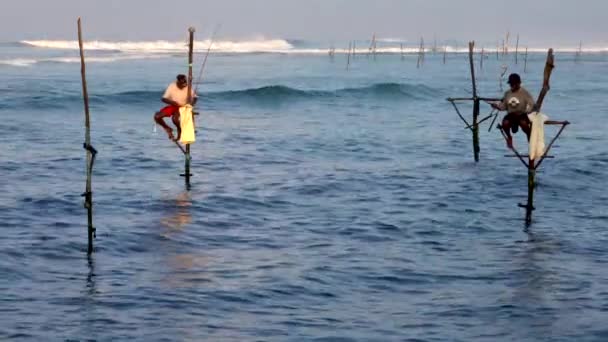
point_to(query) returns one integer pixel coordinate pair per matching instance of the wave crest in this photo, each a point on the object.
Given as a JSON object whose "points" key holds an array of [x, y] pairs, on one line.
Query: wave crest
{"points": [[163, 46]]}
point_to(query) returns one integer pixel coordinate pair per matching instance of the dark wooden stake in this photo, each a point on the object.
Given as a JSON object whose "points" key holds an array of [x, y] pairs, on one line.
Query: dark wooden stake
{"points": [[475, 104], [187, 173], [348, 56], [420, 60], [526, 60], [88, 195], [516, 48], [549, 65], [445, 52], [481, 59]]}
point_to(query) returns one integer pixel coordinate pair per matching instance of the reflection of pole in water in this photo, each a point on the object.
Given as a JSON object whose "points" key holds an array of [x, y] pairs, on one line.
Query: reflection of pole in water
{"points": [[181, 216]]}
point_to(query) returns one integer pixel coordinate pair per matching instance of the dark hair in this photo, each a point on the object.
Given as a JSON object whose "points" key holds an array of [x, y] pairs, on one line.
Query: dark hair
{"points": [[514, 78], [181, 77]]}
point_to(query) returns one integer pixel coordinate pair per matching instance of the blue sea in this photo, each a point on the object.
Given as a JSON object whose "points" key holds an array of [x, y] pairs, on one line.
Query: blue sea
{"points": [[332, 198]]}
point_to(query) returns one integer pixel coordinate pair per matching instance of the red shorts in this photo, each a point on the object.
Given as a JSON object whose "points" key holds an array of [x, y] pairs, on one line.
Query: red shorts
{"points": [[168, 111]]}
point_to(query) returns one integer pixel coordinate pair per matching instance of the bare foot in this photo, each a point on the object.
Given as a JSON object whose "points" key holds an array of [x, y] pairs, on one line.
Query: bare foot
{"points": [[169, 134], [510, 142]]}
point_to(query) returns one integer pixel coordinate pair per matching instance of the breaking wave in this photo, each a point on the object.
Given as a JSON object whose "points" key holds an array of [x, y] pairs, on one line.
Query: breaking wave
{"points": [[163, 46]]}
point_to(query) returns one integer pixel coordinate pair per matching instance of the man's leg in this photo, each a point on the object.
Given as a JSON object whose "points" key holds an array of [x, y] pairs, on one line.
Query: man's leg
{"points": [[506, 127], [525, 125], [175, 119], [159, 119]]}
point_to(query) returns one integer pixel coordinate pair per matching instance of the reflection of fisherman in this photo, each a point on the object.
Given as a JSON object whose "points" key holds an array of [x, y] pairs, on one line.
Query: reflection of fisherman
{"points": [[175, 96], [518, 103]]}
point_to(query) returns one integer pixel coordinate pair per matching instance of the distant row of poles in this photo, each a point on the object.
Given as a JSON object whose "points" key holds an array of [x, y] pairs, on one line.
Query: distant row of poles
{"points": [[502, 50]]}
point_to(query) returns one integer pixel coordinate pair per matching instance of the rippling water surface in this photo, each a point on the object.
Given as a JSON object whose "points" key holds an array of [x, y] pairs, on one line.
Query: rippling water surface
{"points": [[326, 205]]}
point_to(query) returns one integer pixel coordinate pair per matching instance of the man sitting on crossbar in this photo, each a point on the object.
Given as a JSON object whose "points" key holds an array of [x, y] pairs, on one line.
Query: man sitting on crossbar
{"points": [[518, 103]]}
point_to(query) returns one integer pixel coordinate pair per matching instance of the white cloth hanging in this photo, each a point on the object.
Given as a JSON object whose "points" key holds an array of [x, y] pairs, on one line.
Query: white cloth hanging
{"points": [[537, 135]]}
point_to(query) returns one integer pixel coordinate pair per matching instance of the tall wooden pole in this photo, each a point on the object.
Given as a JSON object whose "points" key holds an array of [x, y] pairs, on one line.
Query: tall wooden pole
{"points": [[516, 48], [187, 173], [549, 65], [348, 56], [445, 52], [475, 104], [531, 185], [526, 60], [481, 59], [88, 195]]}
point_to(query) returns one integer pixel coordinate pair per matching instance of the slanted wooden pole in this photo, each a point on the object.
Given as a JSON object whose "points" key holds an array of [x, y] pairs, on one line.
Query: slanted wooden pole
{"points": [[187, 173], [475, 104], [549, 65], [88, 195]]}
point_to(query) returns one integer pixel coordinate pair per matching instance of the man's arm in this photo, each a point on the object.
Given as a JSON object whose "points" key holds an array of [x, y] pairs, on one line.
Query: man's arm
{"points": [[530, 103], [499, 105]]}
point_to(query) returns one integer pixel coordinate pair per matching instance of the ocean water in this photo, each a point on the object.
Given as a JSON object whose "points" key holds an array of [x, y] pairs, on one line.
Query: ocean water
{"points": [[326, 204]]}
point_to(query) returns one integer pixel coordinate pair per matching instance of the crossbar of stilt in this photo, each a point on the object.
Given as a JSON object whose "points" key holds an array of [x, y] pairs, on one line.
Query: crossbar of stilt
{"points": [[512, 148]]}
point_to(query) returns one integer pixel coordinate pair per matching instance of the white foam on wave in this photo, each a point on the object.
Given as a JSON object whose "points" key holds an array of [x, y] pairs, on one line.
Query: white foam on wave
{"points": [[270, 46], [25, 62], [19, 62], [162, 46]]}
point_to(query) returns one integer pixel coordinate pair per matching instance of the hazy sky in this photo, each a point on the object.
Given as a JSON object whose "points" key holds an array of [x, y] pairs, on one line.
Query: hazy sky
{"points": [[538, 21]]}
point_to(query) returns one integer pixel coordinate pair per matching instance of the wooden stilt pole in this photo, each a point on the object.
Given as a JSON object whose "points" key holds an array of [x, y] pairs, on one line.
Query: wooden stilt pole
{"points": [[549, 65], [420, 60], [475, 125], [526, 60], [445, 52], [517, 48], [531, 185], [187, 173], [497, 50], [348, 56], [481, 60], [88, 195]]}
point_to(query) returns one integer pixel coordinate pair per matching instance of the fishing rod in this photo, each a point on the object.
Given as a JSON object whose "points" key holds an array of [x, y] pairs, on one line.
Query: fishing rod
{"points": [[200, 74]]}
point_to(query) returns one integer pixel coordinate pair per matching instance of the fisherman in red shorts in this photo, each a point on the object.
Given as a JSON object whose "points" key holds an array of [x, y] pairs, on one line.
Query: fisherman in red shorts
{"points": [[175, 96]]}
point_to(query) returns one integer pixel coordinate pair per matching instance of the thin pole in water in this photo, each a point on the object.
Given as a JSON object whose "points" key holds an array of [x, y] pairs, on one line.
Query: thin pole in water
{"points": [[88, 195], [475, 103], [516, 48], [187, 173]]}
